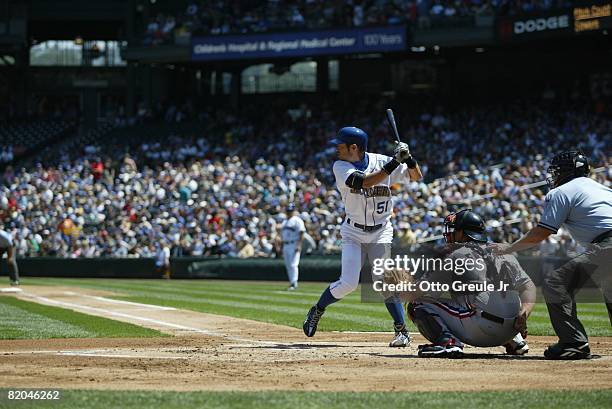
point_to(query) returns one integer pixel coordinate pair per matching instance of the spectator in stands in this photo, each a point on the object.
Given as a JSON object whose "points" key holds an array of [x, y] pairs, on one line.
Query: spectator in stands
{"points": [[213, 18], [208, 191]]}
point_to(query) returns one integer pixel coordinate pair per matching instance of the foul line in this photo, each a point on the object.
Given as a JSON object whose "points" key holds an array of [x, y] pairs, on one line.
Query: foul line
{"points": [[93, 354], [110, 300], [145, 319]]}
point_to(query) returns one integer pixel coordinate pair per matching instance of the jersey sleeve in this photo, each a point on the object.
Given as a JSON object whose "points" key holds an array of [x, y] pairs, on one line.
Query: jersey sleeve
{"points": [[399, 174], [556, 210], [517, 275], [342, 170], [300, 225]]}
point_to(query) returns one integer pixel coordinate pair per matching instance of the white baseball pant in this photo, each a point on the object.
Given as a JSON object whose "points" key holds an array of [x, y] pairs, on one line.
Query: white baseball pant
{"points": [[292, 262], [356, 245]]}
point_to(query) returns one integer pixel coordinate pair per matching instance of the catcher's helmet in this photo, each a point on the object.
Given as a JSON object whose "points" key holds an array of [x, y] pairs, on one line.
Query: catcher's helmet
{"points": [[351, 135], [469, 222], [566, 166]]}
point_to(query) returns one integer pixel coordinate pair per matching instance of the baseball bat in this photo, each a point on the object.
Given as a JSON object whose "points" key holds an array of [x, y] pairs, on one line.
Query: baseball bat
{"points": [[392, 124]]}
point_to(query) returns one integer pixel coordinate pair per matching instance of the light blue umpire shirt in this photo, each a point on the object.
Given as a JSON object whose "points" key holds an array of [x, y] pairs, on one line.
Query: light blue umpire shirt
{"points": [[582, 205]]}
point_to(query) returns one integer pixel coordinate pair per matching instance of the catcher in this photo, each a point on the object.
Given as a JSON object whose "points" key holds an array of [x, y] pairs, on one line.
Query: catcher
{"points": [[472, 315]]}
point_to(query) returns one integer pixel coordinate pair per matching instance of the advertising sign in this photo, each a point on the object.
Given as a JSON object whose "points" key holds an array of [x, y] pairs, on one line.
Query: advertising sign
{"points": [[299, 44]]}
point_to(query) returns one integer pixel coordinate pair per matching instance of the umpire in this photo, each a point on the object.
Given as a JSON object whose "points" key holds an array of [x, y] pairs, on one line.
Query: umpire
{"points": [[7, 245], [585, 208]]}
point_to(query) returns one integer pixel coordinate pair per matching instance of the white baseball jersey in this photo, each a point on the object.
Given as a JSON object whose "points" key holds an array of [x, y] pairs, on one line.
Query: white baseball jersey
{"points": [[162, 256], [291, 229], [373, 205], [290, 233], [368, 207]]}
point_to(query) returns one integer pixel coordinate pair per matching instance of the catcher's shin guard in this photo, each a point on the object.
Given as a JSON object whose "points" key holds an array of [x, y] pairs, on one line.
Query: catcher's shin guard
{"points": [[430, 325]]}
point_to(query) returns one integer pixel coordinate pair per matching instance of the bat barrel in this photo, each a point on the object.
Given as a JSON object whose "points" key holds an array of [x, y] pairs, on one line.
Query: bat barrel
{"points": [[392, 124]]}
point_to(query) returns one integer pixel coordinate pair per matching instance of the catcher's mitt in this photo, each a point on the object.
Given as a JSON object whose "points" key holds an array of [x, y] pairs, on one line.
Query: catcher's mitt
{"points": [[396, 276]]}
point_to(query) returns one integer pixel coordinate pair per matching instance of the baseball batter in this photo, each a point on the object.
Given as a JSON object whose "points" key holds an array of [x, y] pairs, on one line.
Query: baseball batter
{"points": [[7, 246], [292, 235], [473, 315], [364, 180], [584, 207]]}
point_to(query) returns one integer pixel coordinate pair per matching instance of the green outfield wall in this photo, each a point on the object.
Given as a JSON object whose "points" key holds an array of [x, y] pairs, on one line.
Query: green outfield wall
{"points": [[312, 268]]}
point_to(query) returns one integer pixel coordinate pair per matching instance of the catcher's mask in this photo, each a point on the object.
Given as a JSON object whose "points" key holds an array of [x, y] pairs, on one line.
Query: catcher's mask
{"points": [[566, 166], [467, 221]]}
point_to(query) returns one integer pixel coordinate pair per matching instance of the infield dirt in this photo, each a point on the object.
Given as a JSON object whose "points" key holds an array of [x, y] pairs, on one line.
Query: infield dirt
{"points": [[212, 352]]}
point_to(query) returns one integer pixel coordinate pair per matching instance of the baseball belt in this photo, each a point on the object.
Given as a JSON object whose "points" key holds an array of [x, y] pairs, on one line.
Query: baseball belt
{"points": [[492, 317], [364, 228]]}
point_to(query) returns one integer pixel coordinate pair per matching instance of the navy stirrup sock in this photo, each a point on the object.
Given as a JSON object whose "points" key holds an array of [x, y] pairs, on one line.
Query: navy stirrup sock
{"points": [[326, 299]]}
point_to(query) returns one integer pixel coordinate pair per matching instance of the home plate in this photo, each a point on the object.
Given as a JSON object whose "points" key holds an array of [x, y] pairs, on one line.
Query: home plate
{"points": [[11, 290]]}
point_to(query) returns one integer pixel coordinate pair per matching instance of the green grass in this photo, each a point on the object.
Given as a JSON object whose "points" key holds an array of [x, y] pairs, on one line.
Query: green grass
{"points": [[268, 302], [327, 400], [26, 320]]}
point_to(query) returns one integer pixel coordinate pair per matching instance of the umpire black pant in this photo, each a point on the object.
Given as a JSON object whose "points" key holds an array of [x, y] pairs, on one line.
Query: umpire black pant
{"points": [[561, 286]]}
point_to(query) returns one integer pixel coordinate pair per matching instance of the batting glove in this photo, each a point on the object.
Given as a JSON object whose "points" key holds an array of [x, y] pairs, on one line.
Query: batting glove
{"points": [[401, 152]]}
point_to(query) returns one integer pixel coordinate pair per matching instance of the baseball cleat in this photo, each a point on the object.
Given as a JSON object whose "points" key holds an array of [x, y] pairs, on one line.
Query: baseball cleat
{"points": [[401, 340], [513, 348], [14, 282], [575, 350], [291, 288], [312, 320], [446, 349]]}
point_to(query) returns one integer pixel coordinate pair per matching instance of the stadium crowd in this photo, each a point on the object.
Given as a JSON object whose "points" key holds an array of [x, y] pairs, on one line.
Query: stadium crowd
{"points": [[219, 17], [223, 188]]}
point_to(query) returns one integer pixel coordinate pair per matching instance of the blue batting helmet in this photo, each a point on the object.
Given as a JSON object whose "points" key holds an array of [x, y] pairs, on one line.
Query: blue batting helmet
{"points": [[351, 135]]}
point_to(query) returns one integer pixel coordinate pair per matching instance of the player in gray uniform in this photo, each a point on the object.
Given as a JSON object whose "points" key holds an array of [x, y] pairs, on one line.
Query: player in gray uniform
{"points": [[7, 245], [474, 316], [584, 207]]}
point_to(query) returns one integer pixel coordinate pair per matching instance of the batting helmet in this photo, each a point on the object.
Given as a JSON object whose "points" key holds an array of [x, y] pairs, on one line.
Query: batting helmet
{"points": [[566, 166], [469, 222], [351, 135]]}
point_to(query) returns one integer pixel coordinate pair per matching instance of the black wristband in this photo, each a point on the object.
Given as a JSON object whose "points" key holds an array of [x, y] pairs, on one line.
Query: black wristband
{"points": [[391, 166], [411, 162]]}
